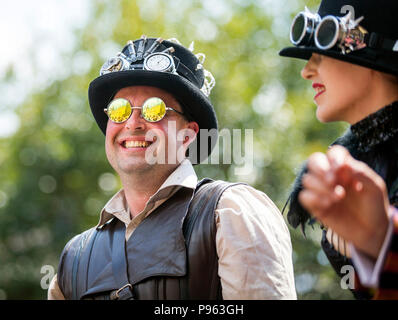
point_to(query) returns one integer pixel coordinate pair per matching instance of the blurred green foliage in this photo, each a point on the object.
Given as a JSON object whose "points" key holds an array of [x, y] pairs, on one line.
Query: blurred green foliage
{"points": [[55, 178]]}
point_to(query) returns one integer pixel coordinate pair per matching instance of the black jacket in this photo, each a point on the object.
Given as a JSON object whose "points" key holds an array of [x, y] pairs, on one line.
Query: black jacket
{"points": [[373, 140]]}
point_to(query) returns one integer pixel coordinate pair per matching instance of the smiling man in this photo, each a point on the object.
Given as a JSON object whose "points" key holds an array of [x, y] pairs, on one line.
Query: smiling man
{"points": [[165, 235], [129, 145]]}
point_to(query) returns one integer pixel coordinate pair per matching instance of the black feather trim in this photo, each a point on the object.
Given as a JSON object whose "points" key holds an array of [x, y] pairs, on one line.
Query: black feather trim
{"points": [[373, 140]]}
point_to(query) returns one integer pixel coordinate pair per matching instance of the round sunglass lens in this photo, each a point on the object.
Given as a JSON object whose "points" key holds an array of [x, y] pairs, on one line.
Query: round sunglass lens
{"points": [[154, 109], [119, 110], [297, 32], [327, 33]]}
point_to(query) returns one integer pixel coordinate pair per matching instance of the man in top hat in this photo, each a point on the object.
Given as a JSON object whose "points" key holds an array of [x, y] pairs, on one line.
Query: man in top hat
{"points": [[346, 189], [165, 235]]}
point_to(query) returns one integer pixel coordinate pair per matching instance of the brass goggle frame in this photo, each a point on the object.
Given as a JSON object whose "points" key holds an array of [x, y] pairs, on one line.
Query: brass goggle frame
{"points": [[150, 112]]}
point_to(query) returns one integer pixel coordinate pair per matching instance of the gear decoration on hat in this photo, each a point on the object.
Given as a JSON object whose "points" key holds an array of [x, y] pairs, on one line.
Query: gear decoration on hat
{"points": [[353, 34], [370, 42], [115, 64], [348, 35], [152, 60]]}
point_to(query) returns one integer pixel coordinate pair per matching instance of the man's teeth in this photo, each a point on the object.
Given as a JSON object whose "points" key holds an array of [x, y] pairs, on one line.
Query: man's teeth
{"points": [[136, 144]]}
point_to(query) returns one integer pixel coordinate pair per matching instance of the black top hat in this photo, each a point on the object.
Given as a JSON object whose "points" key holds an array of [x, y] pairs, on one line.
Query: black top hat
{"points": [[164, 64], [371, 40]]}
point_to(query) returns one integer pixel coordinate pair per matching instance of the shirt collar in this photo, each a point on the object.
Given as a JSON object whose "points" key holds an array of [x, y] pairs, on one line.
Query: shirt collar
{"points": [[183, 176]]}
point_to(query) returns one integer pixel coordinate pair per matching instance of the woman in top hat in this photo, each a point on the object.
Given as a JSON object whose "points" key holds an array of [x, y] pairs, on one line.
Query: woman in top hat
{"points": [[352, 52]]}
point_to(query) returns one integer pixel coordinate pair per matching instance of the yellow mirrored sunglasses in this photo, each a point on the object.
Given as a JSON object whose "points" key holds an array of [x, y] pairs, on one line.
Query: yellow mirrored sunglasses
{"points": [[153, 110]]}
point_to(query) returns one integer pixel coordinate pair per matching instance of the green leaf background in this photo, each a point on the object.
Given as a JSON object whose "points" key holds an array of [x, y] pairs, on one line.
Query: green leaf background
{"points": [[54, 176]]}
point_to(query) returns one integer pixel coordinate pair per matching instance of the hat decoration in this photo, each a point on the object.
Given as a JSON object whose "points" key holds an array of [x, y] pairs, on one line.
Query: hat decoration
{"points": [[362, 32], [131, 58], [345, 32]]}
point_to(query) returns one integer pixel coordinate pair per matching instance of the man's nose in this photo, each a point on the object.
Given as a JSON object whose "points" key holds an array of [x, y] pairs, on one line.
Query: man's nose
{"points": [[135, 122]]}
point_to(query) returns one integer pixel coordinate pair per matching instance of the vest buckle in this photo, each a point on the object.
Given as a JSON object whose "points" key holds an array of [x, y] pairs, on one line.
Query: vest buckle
{"points": [[124, 293]]}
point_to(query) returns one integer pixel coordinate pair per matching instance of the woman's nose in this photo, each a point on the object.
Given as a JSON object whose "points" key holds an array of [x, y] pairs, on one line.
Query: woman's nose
{"points": [[310, 69]]}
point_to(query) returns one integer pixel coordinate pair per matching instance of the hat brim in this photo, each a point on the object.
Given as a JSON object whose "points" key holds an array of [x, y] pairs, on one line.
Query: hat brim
{"points": [[383, 63], [192, 100]]}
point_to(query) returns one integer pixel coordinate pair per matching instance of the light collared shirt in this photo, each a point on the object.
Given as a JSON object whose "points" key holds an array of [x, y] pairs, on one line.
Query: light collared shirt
{"points": [[252, 239]]}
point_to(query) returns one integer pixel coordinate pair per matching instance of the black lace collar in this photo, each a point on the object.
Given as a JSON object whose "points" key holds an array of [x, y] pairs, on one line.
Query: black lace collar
{"points": [[377, 128]]}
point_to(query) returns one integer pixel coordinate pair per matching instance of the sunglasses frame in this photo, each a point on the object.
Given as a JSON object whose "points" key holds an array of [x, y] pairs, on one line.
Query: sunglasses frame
{"points": [[141, 107]]}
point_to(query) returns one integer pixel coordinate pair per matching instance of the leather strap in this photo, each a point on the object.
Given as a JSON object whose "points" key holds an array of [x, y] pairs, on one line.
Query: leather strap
{"points": [[194, 210], [76, 260], [207, 193], [184, 71], [187, 230], [119, 265]]}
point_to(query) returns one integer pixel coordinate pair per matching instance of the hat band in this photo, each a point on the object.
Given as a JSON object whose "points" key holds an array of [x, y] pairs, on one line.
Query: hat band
{"points": [[378, 41], [184, 71]]}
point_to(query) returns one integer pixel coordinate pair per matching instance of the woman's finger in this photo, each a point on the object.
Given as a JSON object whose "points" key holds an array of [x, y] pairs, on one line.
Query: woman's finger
{"points": [[316, 203], [318, 164], [316, 183]]}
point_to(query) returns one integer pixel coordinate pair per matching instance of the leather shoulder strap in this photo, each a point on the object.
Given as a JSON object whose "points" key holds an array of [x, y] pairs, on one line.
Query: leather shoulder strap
{"points": [[201, 197], [91, 234], [207, 192], [119, 264], [201, 215]]}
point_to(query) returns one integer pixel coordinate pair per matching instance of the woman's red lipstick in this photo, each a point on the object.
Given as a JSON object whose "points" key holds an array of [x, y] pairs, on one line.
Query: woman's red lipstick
{"points": [[319, 88]]}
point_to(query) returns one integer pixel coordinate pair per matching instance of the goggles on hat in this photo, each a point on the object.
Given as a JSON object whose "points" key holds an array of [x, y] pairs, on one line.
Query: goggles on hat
{"points": [[328, 32], [153, 110], [303, 27]]}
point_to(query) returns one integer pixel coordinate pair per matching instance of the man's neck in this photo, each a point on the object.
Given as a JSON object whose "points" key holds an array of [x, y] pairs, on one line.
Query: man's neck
{"points": [[139, 187]]}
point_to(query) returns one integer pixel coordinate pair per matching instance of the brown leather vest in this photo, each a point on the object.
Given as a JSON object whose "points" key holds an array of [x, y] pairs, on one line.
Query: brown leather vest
{"points": [[171, 255]]}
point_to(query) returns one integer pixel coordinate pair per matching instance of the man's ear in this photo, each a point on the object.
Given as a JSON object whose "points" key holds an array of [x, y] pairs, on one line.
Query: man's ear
{"points": [[193, 126], [191, 130], [187, 135]]}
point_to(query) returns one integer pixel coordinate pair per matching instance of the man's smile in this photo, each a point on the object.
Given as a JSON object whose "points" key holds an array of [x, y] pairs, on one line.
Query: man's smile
{"points": [[134, 142]]}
